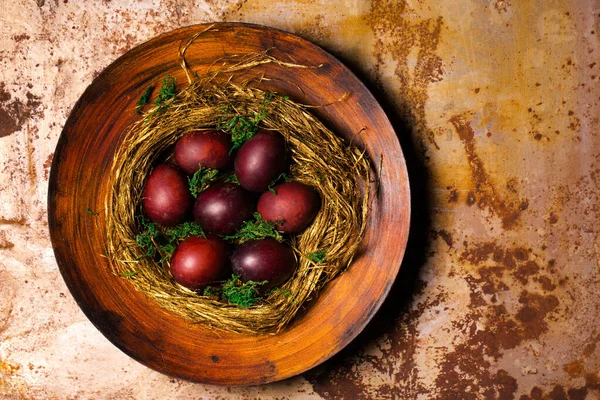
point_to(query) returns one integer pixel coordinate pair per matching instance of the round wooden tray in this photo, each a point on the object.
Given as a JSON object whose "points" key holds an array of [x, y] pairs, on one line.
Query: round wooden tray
{"points": [[135, 324]]}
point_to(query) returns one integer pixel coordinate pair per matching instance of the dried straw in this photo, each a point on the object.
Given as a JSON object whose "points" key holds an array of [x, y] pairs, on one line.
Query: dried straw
{"points": [[339, 171]]}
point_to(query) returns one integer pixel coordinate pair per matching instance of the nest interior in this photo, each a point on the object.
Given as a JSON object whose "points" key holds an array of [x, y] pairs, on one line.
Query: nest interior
{"points": [[339, 171]]}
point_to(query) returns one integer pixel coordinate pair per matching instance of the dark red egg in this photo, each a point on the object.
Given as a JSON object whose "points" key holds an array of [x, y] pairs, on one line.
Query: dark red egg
{"points": [[260, 160], [208, 149], [198, 261], [223, 208], [166, 197], [264, 260], [292, 207]]}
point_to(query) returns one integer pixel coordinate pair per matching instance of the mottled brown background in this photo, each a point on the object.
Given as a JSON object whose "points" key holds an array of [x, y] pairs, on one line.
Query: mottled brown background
{"points": [[496, 104]]}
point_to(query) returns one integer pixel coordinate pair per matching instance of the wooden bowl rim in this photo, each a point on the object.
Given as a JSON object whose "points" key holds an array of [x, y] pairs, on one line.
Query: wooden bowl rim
{"points": [[57, 240]]}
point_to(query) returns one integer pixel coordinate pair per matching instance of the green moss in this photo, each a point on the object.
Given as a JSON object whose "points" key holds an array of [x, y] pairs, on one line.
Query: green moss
{"points": [[242, 128], [143, 100], [317, 256], [153, 240], [201, 180], [256, 230], [242, 294]]}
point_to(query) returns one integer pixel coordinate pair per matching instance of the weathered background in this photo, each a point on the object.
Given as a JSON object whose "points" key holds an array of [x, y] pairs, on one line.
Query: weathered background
{"points": [[496, 104]]}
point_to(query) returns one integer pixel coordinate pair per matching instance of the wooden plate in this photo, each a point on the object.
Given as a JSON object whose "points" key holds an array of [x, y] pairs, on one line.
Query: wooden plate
{"points": [[136, 324]]}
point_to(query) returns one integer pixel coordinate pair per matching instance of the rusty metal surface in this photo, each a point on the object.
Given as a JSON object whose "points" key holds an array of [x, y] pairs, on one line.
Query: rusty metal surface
{"points": [[497, 106]]}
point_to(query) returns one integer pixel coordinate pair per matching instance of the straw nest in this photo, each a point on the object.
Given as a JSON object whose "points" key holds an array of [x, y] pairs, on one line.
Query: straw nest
{"points": [[319, 158]]}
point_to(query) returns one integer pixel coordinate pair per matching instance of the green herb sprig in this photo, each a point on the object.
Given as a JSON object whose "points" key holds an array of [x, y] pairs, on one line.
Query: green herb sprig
{"points": [[177, 233], [263, 112], [166, 94], [242, 294], [256, 230], [242, 128], [183, 231], [144, 99], [147, 239], [91, 212], [317, 256], [201, 180], [152, 240], [282, 177], [232, 178]]}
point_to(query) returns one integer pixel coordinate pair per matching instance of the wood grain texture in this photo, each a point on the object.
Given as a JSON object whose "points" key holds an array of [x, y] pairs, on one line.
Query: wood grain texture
{"points": [[164, 341]]}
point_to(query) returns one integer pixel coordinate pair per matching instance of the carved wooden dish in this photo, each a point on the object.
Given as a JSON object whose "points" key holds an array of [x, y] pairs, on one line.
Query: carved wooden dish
{"points": [[138, 326]]}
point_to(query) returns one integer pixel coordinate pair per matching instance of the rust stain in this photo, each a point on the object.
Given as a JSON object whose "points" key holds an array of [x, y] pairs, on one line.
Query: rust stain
{"points": [[546, 283], [493, 325], [14, 112], [465, 371], [493, 262], [8, 378], [401, 38], [591, 346], [533, 312], [577, 393], [445, 235], [592, 380], [502, 6], [7, 310], [574, 368], [453, 196], [8, 367], [577, 368], [524, 271], [47, 164], [511, 185], [13, 221], [5, 244], [486, 195], [558, 392], [21, 37]]}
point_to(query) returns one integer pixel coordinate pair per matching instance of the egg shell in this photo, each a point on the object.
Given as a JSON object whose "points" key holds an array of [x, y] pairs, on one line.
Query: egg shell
{"points": [[207, 149], [223, 208], [291, 205], [166, 198], [198, 261], [261, 160], [264, 260]]}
